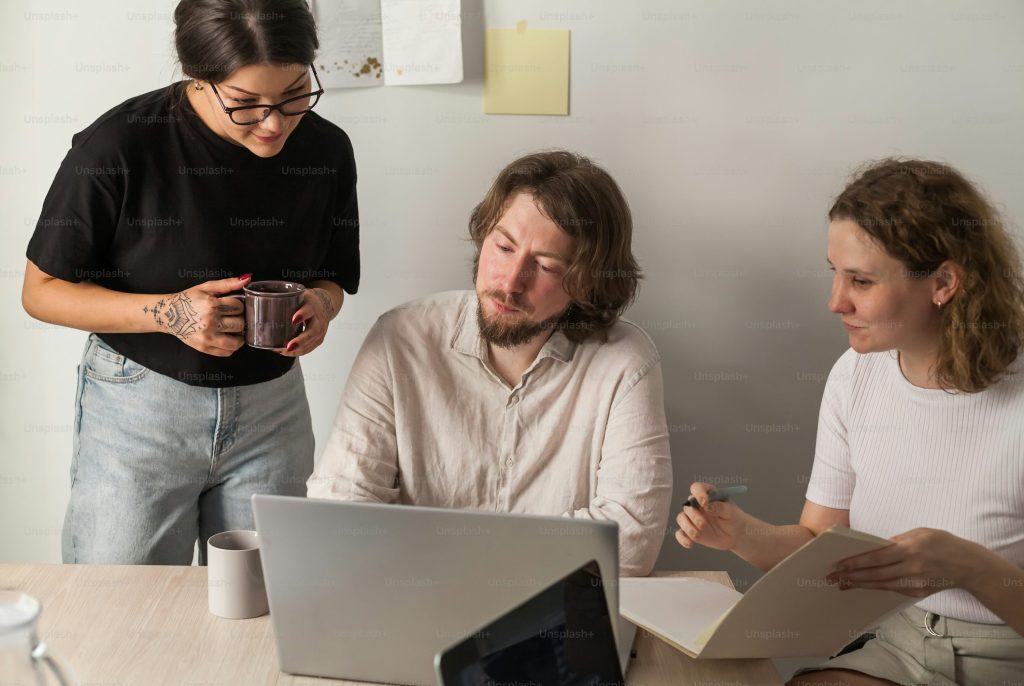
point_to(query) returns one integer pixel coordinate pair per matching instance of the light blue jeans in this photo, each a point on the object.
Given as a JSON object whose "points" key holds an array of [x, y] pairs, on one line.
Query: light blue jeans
{"points": [[158, 463]]}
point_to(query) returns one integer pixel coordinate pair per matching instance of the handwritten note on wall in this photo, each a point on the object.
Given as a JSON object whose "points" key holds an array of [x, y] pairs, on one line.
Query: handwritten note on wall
{"points": [[388, 42]]}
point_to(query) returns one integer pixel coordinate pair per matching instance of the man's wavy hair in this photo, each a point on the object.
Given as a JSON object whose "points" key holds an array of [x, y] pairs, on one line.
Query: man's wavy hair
{"points": [[923, 213], [586, 203]]}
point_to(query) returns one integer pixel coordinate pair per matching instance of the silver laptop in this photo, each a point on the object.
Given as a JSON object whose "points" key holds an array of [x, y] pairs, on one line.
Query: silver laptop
{"points": [[371, 592]]}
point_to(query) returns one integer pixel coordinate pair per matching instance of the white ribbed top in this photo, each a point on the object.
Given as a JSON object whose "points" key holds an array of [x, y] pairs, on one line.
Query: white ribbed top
{"points": [[900, 457]]}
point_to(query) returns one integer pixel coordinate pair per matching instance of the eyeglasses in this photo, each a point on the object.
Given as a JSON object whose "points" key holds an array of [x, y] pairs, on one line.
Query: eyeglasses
{"points": [[246, 115]]}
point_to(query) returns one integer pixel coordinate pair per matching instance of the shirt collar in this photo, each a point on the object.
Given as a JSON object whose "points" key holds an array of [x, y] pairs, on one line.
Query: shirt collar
{"points": [[468, 341]]}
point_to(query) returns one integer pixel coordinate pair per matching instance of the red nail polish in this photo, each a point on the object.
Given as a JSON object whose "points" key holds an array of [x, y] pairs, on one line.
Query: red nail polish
{"points": [[244, 277], [290, 347]]}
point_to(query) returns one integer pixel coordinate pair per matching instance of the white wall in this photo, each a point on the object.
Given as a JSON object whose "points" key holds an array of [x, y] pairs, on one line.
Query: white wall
{"points": [[729, 125]]}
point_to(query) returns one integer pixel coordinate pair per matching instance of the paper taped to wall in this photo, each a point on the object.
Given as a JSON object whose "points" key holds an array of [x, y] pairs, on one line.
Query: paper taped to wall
{"points": [[388, 42]]}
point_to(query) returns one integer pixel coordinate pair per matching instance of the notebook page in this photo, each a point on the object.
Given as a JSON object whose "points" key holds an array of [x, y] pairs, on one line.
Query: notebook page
{"points": [[682, 611]]}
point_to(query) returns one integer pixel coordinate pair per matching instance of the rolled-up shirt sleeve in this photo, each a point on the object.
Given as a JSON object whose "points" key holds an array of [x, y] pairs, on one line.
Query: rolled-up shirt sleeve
{"points": [[634, 475], [360, 461]]}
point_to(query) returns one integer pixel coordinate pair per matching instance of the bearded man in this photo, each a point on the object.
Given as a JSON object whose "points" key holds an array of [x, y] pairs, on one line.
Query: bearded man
{"points": [[528, 394]]}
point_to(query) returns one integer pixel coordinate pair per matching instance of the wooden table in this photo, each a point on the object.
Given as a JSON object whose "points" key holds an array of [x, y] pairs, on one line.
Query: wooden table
{"points": [[127, 625]]}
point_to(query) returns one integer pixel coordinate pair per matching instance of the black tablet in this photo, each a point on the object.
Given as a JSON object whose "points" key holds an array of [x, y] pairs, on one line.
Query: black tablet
{"points": [[560, 637]]}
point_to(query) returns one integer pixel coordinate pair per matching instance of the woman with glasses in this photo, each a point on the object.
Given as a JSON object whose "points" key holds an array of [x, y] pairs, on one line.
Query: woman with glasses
{"points": [[921, 432], [164, 206]]}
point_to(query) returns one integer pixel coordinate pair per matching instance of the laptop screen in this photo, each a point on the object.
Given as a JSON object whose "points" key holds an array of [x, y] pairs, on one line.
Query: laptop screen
{"points": [[560, 637]]}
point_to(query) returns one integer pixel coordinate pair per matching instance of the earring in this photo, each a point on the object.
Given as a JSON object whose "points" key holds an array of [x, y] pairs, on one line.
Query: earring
{"points": [[938, 303]]}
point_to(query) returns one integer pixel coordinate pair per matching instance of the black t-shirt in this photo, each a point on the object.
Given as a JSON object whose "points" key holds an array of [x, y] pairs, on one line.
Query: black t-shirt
{"points": [[150, 200]]}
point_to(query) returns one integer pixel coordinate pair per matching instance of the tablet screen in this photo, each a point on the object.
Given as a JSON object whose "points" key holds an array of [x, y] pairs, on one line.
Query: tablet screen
{"points": [[560, 637]]}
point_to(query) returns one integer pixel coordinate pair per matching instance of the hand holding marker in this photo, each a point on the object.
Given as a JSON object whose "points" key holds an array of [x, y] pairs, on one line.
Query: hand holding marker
{"points": [[717, 495]]}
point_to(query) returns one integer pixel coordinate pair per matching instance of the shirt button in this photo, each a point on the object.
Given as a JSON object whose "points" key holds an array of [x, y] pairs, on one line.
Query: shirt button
{"points": [[513, 401], [509, 461]]}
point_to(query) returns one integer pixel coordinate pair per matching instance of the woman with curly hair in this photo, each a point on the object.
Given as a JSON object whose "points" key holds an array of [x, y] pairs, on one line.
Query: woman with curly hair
{"points": [[921, 432]]}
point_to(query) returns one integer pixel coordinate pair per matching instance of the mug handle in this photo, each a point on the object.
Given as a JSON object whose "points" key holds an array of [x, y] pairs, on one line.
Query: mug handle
{"points": [[241, 296], [302, 324], [40, 654]]}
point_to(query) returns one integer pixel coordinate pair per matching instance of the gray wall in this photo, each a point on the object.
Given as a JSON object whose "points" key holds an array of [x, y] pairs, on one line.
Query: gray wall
{"points": [[729, 125]]}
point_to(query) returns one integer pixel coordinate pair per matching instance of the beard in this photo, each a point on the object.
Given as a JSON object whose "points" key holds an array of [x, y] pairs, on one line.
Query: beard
{"points": [[510, 331]]}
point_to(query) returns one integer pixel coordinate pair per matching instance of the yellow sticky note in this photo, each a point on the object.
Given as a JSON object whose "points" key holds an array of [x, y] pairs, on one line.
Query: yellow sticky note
{"points": [[526, 71]]}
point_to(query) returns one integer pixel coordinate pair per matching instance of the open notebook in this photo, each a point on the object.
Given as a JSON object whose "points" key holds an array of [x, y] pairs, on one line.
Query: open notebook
{"points": [[790, 612]]}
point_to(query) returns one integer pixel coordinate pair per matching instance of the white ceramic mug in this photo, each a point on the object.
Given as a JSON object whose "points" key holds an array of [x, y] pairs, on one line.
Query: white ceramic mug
{"points": [[235, 577]]}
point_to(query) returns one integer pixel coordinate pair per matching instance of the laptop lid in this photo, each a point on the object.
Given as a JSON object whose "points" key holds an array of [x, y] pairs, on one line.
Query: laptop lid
{"points": [[372, 592], [562, 636]]}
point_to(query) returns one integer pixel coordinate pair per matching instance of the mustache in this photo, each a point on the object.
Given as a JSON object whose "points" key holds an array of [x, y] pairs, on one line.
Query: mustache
{"points": [[508, 301]]}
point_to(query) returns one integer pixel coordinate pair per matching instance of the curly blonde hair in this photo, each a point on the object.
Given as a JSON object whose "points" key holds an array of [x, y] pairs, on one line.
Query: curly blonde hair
{"points": [[923, 213]]}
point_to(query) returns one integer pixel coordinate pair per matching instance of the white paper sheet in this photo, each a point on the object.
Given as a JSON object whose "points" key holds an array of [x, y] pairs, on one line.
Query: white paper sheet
{"points": [[351, 49], [422, 41], [388, 42]]}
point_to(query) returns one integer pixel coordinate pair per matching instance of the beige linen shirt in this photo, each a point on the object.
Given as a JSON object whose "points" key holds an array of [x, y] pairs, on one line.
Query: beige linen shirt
{"points": [[425, 420]]}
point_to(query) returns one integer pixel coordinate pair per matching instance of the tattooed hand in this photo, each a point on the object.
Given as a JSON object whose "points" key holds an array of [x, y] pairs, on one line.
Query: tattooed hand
{"points": [[202, 319], [316, 311]]}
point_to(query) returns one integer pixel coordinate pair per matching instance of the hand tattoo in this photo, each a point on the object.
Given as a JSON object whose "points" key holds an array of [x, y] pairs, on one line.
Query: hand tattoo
{"points": [[177, 314], [326, 300]]}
